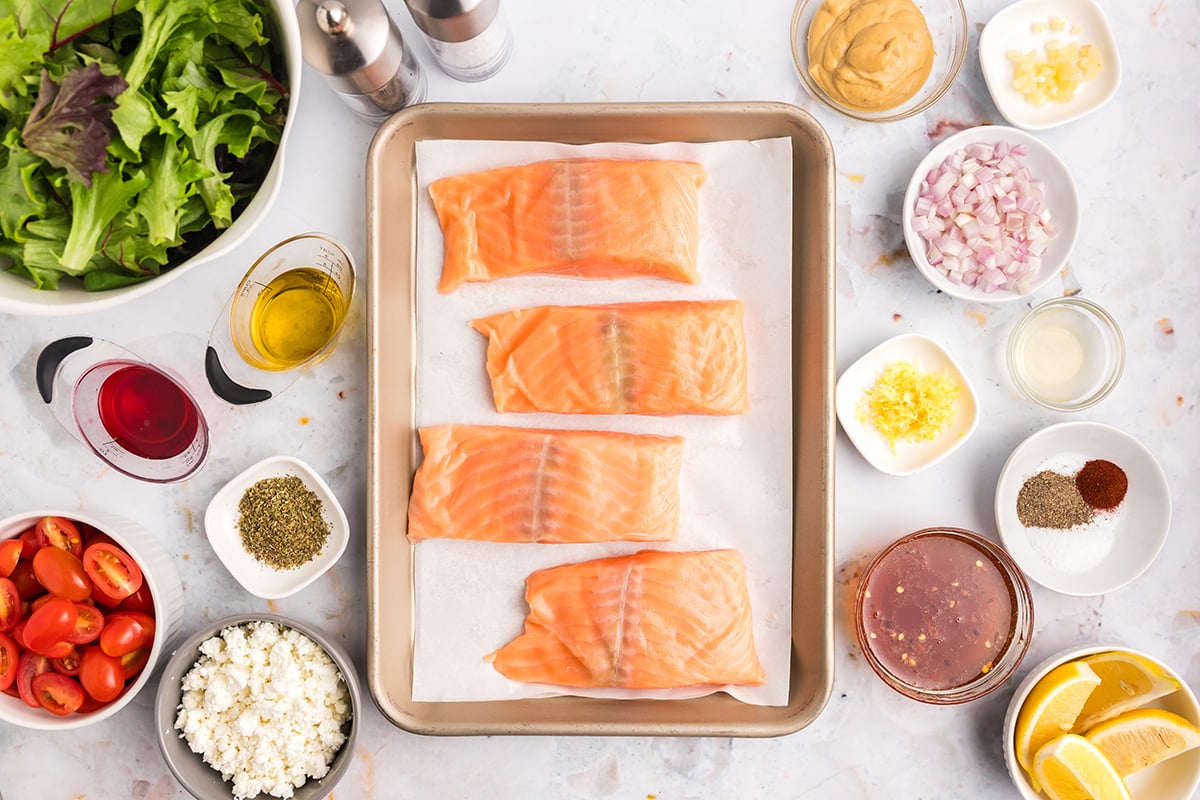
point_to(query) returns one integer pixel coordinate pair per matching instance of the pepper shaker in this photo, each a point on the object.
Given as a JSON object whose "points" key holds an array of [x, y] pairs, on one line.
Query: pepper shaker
{"points": [[471, 39], [356, 45]]}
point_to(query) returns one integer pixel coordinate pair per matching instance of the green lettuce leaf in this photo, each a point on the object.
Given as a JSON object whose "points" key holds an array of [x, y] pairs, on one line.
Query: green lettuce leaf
{"points": [[92, 209]]}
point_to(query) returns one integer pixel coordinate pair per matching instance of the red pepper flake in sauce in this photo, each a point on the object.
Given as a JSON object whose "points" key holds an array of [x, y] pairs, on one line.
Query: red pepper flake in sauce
{"points": [[938, 612]]}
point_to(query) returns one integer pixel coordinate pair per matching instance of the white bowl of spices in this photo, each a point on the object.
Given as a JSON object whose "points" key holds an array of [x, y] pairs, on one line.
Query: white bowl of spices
{"points": [[1083, 508], [277, 527]]}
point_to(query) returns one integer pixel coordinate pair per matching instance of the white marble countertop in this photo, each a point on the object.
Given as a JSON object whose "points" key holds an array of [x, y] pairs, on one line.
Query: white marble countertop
{"points": [[1136, 165]]}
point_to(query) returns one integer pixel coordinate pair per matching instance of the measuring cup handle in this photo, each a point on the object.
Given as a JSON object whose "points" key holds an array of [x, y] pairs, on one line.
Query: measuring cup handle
{"points": [[225, 387], [51, 356]]}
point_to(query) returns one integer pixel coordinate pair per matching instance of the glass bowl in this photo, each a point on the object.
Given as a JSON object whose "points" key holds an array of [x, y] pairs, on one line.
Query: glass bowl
{"points": [[928, 621], [1066, 354], [947, 20]]}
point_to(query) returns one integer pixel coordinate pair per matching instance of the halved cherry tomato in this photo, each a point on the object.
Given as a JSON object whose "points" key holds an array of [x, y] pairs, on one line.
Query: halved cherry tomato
{"points": [[50, 624], [69, 664], [93, 536], [11, 691], [59, 650], [25, 581], [88, 625], [101, 598], [18, 633], [112, 570], [126, 631], [62, 574], [9, 655], [102, 675], [29, 667], [10, 605], [139, 601], [133, 663], [58, 694], [10, 554], [90, 704], [29, 543], [60, 533]]}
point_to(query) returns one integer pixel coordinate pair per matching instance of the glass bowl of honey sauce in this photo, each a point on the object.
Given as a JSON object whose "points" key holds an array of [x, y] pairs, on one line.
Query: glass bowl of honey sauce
{"points": [[943, 615]]}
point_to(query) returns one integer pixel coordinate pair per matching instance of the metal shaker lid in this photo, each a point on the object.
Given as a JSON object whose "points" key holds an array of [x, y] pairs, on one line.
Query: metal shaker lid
{"points": [[354, 43], [453, 20]]}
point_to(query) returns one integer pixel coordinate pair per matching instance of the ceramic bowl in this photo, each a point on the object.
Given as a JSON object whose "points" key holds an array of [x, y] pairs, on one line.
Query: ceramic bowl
{"points": [[1062, 199], [199, 778], [909, 457], [1101, 556], [261, 580], [947, 21], [1011, 29], [166, 590], [18, 295], [1177, 778]]}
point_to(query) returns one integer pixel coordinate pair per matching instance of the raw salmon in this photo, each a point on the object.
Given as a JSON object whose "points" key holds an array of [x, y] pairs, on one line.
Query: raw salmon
{"points": [[652, 620], [671, 357], [587, 218], [519, 485]]}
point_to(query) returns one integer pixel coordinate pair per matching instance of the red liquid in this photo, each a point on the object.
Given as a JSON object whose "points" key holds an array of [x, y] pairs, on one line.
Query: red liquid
{"points": [[147, 413], [938, 612]]}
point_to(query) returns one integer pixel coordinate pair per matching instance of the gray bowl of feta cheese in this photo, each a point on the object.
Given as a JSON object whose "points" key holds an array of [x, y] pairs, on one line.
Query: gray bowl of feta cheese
{"points": [[258, 705]]}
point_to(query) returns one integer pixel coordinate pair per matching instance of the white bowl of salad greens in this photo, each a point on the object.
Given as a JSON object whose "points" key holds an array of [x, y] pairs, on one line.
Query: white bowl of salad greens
{"points": [[138, 139]]}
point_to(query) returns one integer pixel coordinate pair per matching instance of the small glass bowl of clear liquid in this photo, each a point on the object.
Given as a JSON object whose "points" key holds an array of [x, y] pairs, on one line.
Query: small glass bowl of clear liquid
{"points": [[1067, 354]]}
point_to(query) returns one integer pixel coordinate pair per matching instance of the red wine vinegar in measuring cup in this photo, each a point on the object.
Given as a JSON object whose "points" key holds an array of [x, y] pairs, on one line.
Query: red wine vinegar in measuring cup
{"points": [[147, 413], [138, 419]]}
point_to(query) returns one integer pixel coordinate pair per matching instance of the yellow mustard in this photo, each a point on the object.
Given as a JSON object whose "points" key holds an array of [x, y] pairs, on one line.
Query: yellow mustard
{"points": [[869, 55]]}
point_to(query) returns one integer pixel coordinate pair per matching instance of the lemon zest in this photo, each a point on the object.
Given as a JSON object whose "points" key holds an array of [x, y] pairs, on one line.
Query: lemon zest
{"points": [[907, 404]]}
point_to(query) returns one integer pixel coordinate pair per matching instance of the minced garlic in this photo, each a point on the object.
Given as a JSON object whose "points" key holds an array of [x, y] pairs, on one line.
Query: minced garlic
{"points": [[907, 404], [1057, 75]]}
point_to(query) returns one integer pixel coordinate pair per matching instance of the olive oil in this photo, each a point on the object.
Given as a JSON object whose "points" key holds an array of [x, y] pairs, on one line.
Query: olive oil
{"points": [[295, 317]]}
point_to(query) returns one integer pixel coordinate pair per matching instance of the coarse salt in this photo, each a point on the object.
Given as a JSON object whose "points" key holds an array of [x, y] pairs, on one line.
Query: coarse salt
{"points": [[265, 706]]}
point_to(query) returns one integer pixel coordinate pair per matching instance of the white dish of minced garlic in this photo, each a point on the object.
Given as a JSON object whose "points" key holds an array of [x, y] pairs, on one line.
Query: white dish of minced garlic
{"points": [[1048, 62]]}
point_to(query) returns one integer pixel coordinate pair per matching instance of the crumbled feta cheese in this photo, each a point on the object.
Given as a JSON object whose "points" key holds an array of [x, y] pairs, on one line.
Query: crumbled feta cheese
{"points": [[265, 706]]}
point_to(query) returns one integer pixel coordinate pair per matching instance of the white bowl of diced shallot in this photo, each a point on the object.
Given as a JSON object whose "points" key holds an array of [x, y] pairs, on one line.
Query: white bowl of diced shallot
{"points": [[991, 215]]}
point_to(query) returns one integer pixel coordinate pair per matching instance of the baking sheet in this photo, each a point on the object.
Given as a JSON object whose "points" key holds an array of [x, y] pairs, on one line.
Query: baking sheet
{"points": [[736, 481], [393, 450]]}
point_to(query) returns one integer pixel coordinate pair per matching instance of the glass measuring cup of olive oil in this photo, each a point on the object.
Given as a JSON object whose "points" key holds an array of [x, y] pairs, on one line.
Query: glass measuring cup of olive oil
{"points": [[284, 317]]}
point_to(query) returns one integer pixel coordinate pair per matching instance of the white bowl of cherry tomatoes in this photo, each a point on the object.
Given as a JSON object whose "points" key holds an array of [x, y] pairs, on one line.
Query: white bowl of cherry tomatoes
{"points": [[88, 603]]}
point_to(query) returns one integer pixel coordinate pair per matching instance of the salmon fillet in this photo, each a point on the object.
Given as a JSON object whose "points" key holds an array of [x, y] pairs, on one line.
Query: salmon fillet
{"points": [[519, 485], [587, 218], [652, 620], [672, 357]]}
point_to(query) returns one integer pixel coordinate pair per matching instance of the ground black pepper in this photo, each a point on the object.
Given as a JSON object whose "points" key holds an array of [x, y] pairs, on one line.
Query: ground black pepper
{"points": [[281, 522], [1051, 500]]}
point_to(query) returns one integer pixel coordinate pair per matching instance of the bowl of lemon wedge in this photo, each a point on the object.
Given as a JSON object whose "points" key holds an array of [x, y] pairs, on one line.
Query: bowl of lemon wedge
{"points": [[1103, 722]]}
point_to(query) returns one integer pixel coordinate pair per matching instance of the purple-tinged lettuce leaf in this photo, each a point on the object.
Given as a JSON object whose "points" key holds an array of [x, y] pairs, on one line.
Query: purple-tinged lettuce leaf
{"points": [[70, 126]]}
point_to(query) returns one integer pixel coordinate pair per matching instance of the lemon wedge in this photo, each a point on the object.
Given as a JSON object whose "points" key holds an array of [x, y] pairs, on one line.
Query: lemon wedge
{"points": [[1052, 707], [1139, 739], [1127, 681], [1072, 768]]}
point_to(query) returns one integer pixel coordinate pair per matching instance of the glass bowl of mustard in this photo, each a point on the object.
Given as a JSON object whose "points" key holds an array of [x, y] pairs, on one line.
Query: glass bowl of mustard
{"points": [[878, 60], [943, 615]]}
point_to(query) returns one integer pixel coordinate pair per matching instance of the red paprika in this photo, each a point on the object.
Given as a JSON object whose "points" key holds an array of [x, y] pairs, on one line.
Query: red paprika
{"points": [[1102, 484]]}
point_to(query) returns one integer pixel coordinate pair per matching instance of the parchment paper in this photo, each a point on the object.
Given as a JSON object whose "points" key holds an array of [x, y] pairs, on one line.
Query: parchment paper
{"points": [[735, 487]]}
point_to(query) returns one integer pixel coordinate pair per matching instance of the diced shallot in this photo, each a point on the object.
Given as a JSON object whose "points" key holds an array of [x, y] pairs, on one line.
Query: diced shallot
{"points": [[983, 218]]}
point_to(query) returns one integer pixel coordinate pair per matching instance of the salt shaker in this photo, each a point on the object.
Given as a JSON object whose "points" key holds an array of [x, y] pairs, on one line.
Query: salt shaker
{"points": [[470, 38], [356, 45]]}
